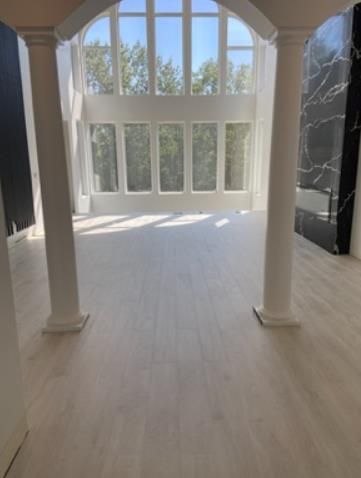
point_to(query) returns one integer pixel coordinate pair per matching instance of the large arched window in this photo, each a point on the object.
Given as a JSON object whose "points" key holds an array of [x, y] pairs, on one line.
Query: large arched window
{"points": [[170, 113], [168, 48]]}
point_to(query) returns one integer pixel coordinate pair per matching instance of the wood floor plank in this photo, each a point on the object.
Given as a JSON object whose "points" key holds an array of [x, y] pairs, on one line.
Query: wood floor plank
{"points": [[173, 377]]}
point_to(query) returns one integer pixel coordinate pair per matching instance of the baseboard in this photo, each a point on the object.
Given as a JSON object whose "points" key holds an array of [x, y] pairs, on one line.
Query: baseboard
{"points": [[12, 446], [20, 235]]}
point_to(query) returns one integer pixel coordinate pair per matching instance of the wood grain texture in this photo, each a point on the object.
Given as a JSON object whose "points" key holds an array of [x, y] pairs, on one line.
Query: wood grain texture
{"points": [[173, 377]]}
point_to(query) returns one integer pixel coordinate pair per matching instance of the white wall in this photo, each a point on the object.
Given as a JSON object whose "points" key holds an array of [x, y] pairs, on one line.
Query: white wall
{"points": [[67, 98], [30, 130], [12, 413], [264, 118]]}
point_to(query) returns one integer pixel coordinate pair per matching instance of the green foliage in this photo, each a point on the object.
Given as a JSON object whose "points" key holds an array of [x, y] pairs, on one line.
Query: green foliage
{"points": [[239, 78], [134, 69], [204, 155], [98, 69], [205, 79], [104, 157], [135, 81], [171, 157], [169, 78], [137, 147], [134, 73], [238, 137]]}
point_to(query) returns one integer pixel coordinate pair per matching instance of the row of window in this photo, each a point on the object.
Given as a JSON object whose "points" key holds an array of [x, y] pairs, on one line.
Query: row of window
{"points": [[175, 42], [171, 157]]}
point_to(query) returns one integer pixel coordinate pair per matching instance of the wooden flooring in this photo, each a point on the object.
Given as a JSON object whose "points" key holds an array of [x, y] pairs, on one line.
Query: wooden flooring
{"points": [[173, 377]]}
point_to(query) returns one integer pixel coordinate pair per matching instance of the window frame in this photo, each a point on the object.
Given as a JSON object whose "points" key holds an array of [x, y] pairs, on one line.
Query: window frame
{"points": [[187, 31], [124, 158], [147, 15], [249, 169], [220, 49], [253, 49], [89, 154], [82, 35], [217, 189], [154, 17], [172, 193]]}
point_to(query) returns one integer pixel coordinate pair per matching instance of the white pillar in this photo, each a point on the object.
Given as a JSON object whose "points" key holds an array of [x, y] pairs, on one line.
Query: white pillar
{"points": [[276, 309], [13, 425], [60, 251]]}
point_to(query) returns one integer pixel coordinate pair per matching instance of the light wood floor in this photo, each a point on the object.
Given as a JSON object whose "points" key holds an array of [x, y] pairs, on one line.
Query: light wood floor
{"points": [[173, 377]]}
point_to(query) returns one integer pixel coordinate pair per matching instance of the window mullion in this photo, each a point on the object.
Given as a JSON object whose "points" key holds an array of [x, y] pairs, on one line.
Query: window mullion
{"points": [[187, 42], [151, 47], [115, 45], [223, 53]]}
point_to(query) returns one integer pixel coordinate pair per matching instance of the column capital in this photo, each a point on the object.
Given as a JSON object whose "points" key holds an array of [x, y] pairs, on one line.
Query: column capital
{"points": [[39, 36], [290, 36]]}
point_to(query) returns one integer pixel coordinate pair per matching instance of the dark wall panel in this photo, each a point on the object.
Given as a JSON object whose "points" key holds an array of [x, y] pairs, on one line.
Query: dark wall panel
{"points": [[330, 132], [15, 175]]}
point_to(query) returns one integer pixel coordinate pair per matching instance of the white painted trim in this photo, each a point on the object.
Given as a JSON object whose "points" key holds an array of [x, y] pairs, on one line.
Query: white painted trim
{"points": [[270, 321], [89, 9], [20, 235], [76, 326], [11, 448], [166, 193]]}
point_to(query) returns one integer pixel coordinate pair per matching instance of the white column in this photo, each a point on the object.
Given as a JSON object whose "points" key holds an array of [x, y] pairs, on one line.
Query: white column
{"points": [[276, 309], [63, 285]]}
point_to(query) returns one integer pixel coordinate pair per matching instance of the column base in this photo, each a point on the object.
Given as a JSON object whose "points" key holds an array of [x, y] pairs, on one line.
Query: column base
{"points": [[269, 321], [54, 328]]}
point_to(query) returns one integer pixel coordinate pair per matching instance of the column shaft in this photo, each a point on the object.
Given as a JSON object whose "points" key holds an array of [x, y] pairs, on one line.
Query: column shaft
{"points": [[59, 239], [276, 309]]}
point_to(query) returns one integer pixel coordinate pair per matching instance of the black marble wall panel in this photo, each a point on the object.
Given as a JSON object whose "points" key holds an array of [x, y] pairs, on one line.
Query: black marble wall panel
{"points": [[15, 173], [330, 132]]}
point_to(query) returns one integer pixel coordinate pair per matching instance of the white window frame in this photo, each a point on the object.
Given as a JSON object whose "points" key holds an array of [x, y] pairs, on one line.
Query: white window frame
{"points": [[124, 157], [82, 34], [117, 109], [90, 156], [249, 169], [189, 21], [216, 190], [253, 49], [154, 16], [172, 193]]}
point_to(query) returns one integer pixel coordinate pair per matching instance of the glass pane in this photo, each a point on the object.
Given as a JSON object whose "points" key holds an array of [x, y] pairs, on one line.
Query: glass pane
{"points": [[238, 143], [168, 6], [137, 153], [132, 6], [204, 56], [98, 33], [133, 55], [204, 159], [171, 157], [98, 58], [104, 156], [98, 70], [204, 6], [238, 33], [239, 71], [169, 55]]}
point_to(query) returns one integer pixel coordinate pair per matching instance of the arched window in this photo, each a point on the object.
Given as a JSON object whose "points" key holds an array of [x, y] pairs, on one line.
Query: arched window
{"points": [[169, 48], [169, 108], [240, 57], [205, 47], [97, 57], [133, 47]]}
